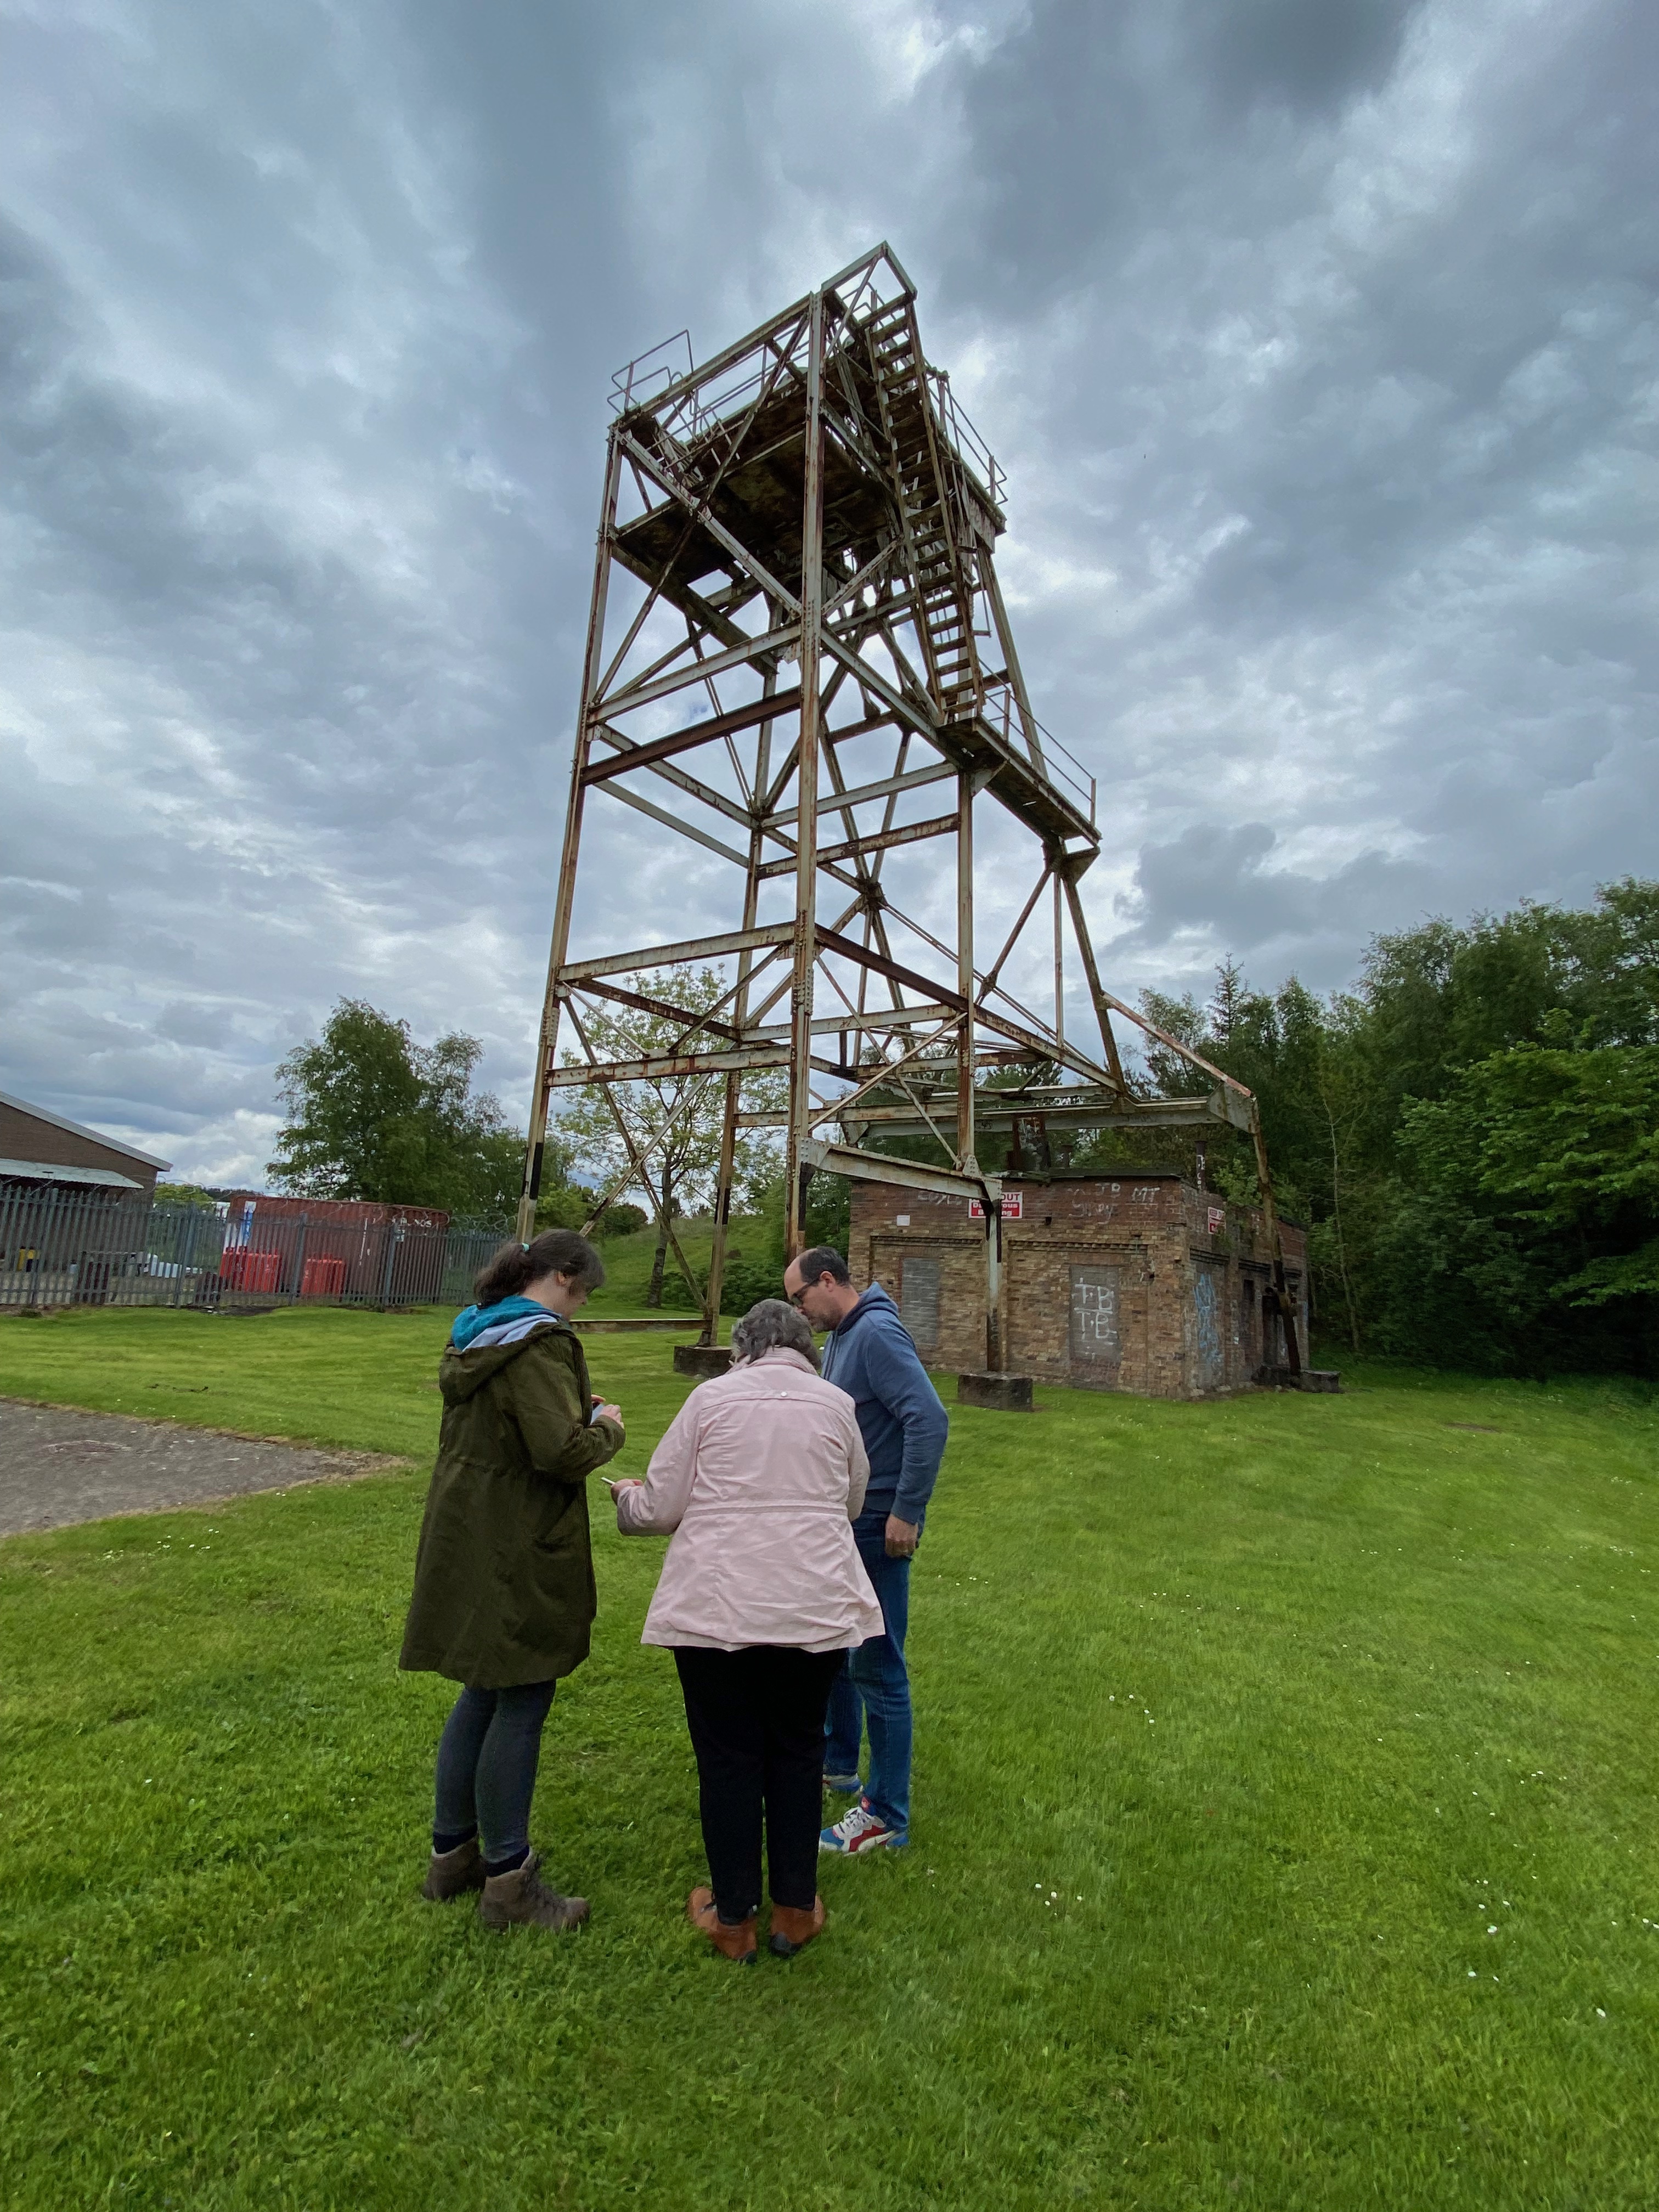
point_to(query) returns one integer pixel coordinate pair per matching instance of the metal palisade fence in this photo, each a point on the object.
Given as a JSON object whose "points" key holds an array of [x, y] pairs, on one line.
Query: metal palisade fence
{"points": [[64, 1248]]}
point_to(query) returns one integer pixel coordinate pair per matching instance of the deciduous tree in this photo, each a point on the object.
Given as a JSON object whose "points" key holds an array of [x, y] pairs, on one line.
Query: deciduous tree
{"points": [[372, 1115]]}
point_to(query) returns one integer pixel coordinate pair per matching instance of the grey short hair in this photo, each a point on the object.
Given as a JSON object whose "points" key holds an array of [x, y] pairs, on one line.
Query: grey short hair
{"points": [[772, 1326]]}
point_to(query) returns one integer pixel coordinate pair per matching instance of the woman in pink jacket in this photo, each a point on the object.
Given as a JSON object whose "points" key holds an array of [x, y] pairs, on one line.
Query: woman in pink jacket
{"points": [[763, 1590]]}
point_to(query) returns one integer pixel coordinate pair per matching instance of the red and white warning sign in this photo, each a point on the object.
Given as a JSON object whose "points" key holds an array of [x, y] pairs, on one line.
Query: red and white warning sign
{"points": [[1218, 1219], [1014, 1206]]}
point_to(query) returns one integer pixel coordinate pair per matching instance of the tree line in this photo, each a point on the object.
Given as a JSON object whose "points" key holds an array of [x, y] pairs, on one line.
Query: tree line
{"points": [[1471, 1133]]}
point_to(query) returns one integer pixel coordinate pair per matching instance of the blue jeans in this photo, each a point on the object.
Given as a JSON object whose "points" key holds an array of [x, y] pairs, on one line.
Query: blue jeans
{"points": [[873, 1688], [487, 1761]]}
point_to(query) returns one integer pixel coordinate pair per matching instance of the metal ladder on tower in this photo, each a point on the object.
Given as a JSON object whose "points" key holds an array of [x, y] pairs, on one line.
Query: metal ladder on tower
{"points": [[944, 592]]}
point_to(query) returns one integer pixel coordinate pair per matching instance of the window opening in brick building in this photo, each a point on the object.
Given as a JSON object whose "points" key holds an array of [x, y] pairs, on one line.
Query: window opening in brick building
{"points": [[1097, 1348], [918, 1300]]}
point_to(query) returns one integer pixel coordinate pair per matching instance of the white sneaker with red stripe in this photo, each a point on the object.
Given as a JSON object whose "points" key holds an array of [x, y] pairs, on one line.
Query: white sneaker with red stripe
{"points": [[861, 1830]]}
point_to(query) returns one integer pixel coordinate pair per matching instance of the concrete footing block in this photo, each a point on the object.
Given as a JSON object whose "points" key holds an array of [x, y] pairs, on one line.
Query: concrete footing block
{"points": [[999, 1394], [702, 1360], [1304, 1378]]}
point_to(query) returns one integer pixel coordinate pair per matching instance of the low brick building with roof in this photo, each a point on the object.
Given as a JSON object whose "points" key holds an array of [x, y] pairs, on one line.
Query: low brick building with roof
{"points": [[1135, 1280]]}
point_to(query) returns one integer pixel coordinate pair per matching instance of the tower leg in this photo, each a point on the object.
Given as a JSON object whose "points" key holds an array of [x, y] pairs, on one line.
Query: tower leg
{"points": [[711, 1303], [993, 1348], [548, 1039], [806, 786], [1282, 1298]]}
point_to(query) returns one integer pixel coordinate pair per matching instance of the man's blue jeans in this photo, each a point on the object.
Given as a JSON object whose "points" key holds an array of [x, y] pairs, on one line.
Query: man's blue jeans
{"points": [[873, 1687]]}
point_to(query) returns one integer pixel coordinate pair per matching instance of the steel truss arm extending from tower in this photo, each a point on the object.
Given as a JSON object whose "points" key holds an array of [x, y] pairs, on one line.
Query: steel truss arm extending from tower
{"points": [[797, 650]]}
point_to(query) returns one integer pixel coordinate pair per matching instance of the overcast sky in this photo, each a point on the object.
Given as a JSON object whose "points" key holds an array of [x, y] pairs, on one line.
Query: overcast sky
{"points": [[1317, 339]]}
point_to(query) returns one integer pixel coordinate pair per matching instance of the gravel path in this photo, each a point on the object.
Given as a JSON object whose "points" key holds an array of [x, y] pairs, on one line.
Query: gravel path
{"points": [[57, 1467]]}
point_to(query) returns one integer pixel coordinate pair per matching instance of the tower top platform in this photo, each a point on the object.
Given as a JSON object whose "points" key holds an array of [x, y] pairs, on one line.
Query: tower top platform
{"points": [[908, 496]]}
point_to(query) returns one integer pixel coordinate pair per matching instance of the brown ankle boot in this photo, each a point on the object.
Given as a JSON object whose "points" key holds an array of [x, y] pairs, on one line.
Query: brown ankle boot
{"points": [[737, 1943], [452, 1874], [793, 1928], [522, 1899]]}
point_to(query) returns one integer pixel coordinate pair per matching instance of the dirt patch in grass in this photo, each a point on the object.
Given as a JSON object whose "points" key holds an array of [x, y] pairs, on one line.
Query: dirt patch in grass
{"points": [[60, 1466]]}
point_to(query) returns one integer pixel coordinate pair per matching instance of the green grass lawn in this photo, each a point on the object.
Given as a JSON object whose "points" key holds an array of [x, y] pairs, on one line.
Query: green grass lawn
{"points": [[1284, 1828]]}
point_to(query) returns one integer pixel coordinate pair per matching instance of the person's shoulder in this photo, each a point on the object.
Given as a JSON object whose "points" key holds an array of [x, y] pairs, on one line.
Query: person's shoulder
{"points": [[556, 1343], [820, 1388], [885, 1323]]}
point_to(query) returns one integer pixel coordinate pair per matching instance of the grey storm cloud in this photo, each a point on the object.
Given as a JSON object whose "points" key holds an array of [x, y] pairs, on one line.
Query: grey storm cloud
{"points": [[1317, 336]]}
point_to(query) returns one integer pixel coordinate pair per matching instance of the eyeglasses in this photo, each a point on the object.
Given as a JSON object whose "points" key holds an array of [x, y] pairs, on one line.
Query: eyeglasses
{"points": [[798, 1298]]}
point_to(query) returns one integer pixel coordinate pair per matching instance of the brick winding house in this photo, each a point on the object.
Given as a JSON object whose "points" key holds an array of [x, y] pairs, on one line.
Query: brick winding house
{"points": [[1134, 1281]]}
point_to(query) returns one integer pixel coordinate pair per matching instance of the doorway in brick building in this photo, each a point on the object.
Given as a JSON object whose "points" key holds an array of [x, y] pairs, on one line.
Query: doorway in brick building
{"points": [[1209, 1332], [1096, 1341], [1249, 1325]]}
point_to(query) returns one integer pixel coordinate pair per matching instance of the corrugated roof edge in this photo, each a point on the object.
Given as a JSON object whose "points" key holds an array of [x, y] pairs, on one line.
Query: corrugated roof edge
{"points": [[54, 1171], [80, 1129]]}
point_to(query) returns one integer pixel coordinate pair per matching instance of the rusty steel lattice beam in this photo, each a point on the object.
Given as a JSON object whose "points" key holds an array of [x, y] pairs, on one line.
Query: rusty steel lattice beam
{"points": [[795, 631]]}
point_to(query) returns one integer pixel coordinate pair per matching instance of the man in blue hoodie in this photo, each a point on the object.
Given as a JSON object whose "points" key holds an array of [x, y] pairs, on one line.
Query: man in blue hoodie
{"points": [[871, 1356]]}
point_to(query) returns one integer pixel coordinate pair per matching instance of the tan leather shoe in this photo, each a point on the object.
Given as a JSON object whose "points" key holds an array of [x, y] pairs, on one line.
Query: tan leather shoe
{"points": [[452, 1874], [522, 1899], [793, 1928], [737, 1943]]}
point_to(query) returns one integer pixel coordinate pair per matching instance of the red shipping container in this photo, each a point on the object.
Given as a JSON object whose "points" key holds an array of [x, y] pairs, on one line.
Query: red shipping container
{"points": [[322, 1279], [244, 1270], [331, 1212]]}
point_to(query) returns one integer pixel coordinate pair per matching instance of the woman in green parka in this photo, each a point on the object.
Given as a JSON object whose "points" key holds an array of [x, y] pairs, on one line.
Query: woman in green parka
{"points": [[504, 1597]]}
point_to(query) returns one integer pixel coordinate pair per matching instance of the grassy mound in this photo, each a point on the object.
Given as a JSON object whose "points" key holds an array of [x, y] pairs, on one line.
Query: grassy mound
{"points": [[628, 1263]]}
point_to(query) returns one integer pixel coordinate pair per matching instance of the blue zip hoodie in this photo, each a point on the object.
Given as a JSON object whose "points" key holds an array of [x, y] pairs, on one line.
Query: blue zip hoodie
{"points": [[872, 1357]]}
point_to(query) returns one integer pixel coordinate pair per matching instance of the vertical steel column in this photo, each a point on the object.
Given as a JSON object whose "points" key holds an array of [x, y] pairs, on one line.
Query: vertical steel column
{"points": [[547, 1041], [1060, 963], [807, 786], [967, 1154], [1275, 1243], [993, 1283], [711, 1304], [965, 980]]}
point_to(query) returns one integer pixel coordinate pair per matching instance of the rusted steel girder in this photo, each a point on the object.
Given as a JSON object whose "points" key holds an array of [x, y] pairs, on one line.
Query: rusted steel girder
{"points": [[880, 841], [698, 733], [908, 1174], [689, 949], [662, 1066]]}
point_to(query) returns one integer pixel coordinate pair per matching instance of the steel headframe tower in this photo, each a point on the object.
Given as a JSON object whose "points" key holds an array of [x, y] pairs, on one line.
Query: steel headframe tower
{"points": [[808, 652]]}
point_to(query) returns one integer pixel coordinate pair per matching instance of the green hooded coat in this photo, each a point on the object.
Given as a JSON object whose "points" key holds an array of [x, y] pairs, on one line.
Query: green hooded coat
{"points": [[504, 1574]]}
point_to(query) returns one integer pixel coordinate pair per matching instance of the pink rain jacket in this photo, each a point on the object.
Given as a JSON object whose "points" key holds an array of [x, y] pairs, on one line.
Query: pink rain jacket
{"points": [[759, 1478]]}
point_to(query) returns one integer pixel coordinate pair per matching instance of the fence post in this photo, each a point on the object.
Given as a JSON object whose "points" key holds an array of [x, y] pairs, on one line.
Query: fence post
{"points": [[300, 1261], [33, 1295], [393, 1239]]}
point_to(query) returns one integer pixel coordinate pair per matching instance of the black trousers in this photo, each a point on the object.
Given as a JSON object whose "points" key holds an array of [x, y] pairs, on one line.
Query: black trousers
{"points": [[757, 1722]]}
